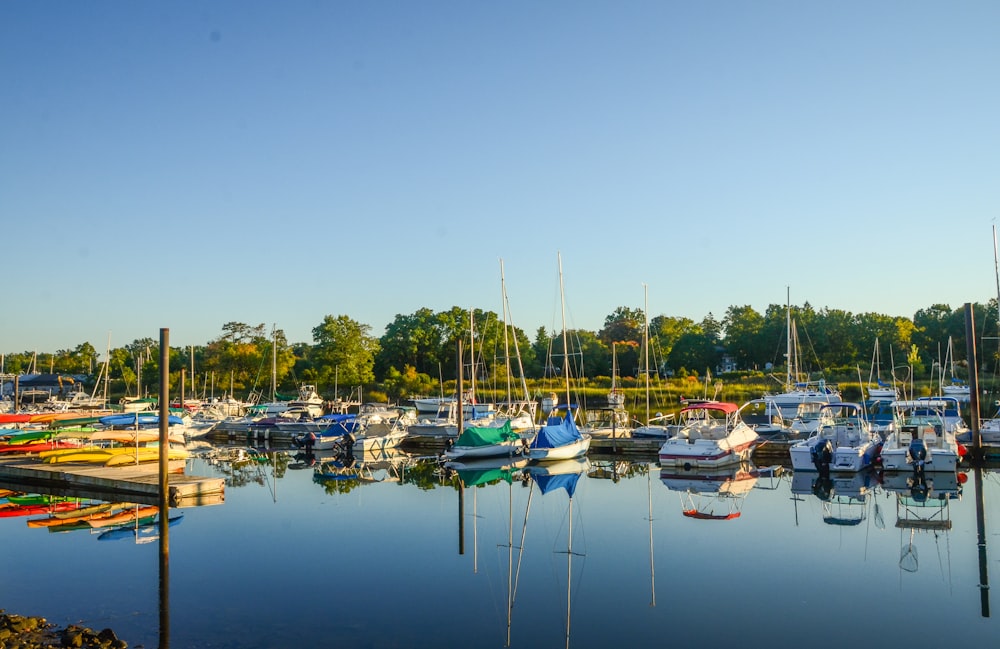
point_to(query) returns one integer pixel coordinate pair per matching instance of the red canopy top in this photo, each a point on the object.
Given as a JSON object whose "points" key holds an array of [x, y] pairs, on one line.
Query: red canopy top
{"points": [[722, 406]]}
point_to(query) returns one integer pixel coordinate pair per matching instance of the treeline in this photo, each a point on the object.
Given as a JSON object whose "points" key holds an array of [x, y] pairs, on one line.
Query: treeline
{"points": [[417, 353]]}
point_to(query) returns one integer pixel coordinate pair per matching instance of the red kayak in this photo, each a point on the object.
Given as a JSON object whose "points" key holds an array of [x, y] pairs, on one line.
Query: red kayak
{"points": [[9, 510], [35, 447], [14, 418]]}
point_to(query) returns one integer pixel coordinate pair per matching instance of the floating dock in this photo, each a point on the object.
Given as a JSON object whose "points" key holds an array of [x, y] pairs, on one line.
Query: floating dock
{"points": [[135, 483]]}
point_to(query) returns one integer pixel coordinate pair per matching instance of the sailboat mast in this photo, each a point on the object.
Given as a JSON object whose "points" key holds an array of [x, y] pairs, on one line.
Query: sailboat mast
{"points": [[996, 271], [645, 343], [562, 302], [569, 567], [508, 318], [274, 362], [788, 337], [472, 358], [506, 338]]}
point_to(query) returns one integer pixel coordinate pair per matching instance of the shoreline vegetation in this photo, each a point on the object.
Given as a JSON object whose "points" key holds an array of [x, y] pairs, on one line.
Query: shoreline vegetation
{"points": [[736, 358]]}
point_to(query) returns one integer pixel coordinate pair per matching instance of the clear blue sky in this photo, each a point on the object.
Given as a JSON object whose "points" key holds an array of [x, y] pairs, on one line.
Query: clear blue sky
{"points": [[188, 164]]}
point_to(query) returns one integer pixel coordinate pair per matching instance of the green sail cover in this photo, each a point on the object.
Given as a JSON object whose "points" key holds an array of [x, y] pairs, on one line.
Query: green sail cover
{"points": [[478, 477], [476, 437]]}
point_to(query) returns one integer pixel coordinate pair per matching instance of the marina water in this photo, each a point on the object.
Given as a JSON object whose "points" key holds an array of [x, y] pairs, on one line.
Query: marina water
{"points": [[409, 554]]}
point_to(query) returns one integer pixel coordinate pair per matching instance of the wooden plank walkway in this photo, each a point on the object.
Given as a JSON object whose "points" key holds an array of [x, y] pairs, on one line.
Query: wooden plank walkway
{"points": [[136, 483]]}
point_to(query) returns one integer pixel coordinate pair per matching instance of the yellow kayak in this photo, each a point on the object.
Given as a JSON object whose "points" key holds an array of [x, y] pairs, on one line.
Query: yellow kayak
{"points": [[109, 456], [144, 454]]}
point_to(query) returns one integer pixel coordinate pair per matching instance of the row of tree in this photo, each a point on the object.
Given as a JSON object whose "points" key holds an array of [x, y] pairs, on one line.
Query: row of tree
{"points": [[418, 352]]}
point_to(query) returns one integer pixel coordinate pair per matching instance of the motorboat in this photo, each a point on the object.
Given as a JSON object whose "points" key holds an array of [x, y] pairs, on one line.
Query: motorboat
{"points": [[711, 434], [844, 441], [922, 440]]}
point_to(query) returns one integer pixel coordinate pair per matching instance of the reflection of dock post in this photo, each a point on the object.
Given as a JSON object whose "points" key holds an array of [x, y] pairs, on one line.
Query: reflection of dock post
{"points": [[461, 518], [164, 488], [978, 457], [459, 417], [984, 580]]}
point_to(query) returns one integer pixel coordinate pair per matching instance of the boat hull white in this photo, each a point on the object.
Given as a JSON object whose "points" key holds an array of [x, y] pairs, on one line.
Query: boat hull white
{"points": [[570, 451], [703, 454]]}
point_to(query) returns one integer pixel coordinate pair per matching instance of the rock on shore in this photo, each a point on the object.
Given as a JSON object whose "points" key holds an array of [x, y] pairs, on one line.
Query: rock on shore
{"points": [[19, 632]]}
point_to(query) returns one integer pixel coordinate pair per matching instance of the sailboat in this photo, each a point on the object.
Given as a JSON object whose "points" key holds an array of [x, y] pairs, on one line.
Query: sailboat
{"points": [[520, 412], [796, 391], [876, 388], [956, 388], [655, 427], [611, 420], [616, 397], [559, 438]]}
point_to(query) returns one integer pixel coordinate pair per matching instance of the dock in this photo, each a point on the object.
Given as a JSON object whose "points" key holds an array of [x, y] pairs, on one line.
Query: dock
{"points": [[136, 483]]}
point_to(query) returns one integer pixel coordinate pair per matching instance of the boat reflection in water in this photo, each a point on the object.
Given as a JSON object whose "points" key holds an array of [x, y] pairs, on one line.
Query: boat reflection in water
{"points": [[923, 507], [845, 496], [552, 477], [405, 527], [716, 494]]}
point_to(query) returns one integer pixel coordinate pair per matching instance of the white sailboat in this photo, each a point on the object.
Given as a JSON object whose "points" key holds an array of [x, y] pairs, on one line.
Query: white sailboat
{"points": [[877, 389], [659, 426], [956, 387], [797, 391], [560, 439]]}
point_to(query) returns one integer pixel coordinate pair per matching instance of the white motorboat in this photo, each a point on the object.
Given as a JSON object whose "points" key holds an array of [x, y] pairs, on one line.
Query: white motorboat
{"points": [[844, 441], [922, 440], [712, 434]]}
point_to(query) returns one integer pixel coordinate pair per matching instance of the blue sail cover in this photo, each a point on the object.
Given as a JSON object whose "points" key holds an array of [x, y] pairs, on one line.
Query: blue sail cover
{"points": [[547, 483], [553, 435]]}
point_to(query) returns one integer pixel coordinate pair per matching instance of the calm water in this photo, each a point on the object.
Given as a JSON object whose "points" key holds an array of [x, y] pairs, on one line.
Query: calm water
{"points": [[398, 556]]}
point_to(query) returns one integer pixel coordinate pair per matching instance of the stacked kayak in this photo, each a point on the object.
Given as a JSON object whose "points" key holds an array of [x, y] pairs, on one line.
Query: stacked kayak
{"points": [[38, 446], [111, 455]]}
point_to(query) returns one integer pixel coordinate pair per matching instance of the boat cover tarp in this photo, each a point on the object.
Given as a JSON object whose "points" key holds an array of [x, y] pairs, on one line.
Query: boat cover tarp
{"points": [[338, 417], [475, 436], [350, 424], [553, 435], [551, 482], [476, 477]]}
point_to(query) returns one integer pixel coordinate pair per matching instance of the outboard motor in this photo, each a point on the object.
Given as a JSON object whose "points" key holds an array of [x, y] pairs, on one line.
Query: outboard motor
{"points": [[917, 454], [823, 488], [919, 489], [822, 455]]}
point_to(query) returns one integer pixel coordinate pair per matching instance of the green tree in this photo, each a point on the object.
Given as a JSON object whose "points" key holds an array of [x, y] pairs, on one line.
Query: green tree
{"points": [[344, 346], [743, 336], [414, 340], [664, 333]]}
